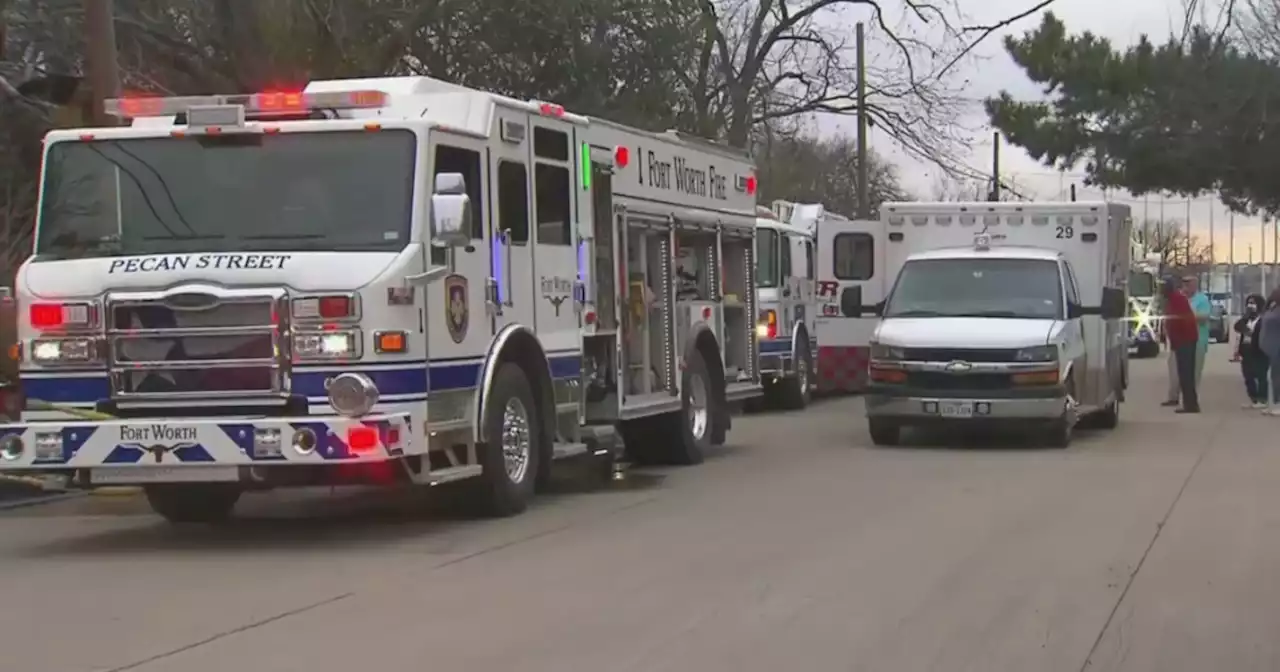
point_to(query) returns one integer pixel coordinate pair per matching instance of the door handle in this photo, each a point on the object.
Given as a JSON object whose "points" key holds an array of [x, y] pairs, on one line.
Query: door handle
{"points": [[506, 245]]}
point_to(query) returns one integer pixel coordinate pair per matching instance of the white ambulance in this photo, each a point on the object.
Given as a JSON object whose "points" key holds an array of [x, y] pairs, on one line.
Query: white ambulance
{"points": [[849, 266], [1000, 314], [377, 281]]}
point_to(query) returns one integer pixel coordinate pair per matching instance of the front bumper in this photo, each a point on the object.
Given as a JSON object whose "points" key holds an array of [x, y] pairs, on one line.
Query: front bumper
{"points": [[216, 447], [923, 407]]}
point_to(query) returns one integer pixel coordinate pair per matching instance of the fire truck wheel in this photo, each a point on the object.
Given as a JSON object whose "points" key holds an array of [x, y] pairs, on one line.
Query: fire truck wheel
{"points": [[692, 427], [795, 390], [509, 459], [193, 502]]}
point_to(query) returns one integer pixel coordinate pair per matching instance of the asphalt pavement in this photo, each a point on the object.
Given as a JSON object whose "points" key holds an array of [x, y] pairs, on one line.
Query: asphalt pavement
{"points": [[798, 547]]}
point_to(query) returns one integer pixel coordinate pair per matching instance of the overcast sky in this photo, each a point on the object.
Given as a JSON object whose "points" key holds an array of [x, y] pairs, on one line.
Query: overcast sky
{"points": [[1121, 21]]}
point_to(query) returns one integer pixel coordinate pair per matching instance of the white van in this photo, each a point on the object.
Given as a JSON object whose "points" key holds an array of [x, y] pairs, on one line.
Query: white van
{"points": [[1001, 314]]}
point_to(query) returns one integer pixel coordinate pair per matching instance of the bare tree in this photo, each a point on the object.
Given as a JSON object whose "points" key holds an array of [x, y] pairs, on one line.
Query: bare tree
{"points": [[963, 188], [1178, 251], [800, 166], [769, 59]]}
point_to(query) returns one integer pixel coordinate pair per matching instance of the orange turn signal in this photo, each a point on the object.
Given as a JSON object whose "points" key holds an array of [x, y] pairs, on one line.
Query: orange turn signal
{"points": [[1036, 378], [389, 342]]}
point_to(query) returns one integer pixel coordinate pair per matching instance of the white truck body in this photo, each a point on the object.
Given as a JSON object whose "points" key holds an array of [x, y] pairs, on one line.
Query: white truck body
{"points": [[1007, 313], [786, 297], [278, 289]]}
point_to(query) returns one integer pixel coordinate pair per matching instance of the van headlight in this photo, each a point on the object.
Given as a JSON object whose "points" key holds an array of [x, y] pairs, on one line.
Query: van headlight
{"points": [[340, 344], [1040, 353], [64, 351], [883, 352]]}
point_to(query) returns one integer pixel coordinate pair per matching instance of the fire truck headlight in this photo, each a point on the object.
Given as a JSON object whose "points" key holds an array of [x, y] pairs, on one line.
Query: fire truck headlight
{"points": [[352, 394], [63, 351], [11, 447], [327, 344]]}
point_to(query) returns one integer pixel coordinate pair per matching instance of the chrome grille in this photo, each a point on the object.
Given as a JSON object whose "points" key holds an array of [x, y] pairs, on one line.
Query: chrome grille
{"points": [[961, 354], [194, 344]]}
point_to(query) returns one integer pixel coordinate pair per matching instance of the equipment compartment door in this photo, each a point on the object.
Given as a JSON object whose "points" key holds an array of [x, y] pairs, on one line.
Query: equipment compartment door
{"points": [[510, 234]]}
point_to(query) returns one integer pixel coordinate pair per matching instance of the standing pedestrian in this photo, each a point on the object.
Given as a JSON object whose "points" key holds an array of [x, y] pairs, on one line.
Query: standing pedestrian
{"points": [[1174, 390], [1180, 326], [1269, 342], [1253, 363], [1204, 311]]}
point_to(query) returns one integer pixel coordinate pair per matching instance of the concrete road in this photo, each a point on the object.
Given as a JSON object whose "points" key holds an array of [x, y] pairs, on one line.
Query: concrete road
{"points": [[801, 547]]}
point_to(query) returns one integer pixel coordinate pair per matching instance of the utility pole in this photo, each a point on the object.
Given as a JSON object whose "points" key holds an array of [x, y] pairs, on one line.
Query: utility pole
{"points": [[995, 167], [103, 67], [864, 188]]}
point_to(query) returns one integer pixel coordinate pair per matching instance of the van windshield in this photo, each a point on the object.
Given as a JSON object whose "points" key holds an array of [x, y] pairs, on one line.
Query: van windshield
{"points": [[970, 287], [766, 258], [344, 190]]}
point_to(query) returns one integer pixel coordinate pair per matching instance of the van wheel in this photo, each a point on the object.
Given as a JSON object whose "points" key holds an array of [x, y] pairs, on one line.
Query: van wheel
{"points": [[795, 390], [884, 432], [509, 459], [193, 502], [1109, 417]]}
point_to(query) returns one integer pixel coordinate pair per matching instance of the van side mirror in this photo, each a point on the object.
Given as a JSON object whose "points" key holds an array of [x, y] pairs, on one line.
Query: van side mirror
{"points": [[450, 211], [1075, 311], [1114, 304], [851, 301]]}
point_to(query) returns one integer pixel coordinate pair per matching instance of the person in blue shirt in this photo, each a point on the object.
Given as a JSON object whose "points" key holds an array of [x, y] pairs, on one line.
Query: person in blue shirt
{"points": [[1203, 309]]}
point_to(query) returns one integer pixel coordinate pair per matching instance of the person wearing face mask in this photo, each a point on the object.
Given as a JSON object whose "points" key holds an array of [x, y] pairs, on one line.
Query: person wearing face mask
{"points": [[1253, 363]]}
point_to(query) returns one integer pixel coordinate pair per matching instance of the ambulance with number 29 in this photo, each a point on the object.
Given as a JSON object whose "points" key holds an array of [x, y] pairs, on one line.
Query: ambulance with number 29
{"points": [[393, 280]]}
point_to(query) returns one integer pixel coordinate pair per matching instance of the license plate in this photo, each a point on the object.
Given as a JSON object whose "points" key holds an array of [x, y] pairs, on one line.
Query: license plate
{"points": [[132, 475], [955, 409]]}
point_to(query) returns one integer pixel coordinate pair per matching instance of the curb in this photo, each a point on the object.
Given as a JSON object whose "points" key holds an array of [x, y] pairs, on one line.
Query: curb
{"points": [[39, 500]]}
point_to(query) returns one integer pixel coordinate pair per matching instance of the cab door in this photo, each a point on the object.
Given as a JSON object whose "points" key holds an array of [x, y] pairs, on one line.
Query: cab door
{"points": [[1076, 340], [455, 320], [555, 253], [512, 280], [850, 259]]}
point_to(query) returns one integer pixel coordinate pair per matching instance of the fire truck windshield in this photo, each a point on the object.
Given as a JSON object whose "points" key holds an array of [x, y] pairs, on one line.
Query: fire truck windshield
{"points": [[341, 191]]}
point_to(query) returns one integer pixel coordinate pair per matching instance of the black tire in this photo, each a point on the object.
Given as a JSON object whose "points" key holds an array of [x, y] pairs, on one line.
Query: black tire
{"points": [[1062, 430], [500, 493], [1109, 417], [643, 441], [795, 390], [193, 502], [684, 446], [884, 432]]}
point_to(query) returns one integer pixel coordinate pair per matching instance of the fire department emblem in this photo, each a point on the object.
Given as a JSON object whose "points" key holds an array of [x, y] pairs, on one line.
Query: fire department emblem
{"points": [[457, 315]]}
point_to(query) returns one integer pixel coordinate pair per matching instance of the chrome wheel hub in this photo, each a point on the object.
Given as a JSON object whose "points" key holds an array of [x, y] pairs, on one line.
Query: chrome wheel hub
{"points": [[517, 444]]}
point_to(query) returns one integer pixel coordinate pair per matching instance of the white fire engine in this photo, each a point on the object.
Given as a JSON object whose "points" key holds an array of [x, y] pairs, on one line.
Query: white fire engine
{"points": [[378, 280], [785, 294]]}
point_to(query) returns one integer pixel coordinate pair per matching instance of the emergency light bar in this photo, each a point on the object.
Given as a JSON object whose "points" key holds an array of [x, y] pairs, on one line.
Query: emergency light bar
{"points": [[253, 103]]}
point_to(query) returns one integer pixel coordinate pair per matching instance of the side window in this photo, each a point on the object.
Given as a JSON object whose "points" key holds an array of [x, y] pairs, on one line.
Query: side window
{"points": [[1073, 292], [457, 160], [553, 193], [853, 256], [809, 270], [552, 203], [513, 200], [788, 249]]}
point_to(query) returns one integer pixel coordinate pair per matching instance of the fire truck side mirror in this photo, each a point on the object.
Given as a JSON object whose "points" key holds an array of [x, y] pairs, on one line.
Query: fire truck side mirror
{"points": [[450, 211]]}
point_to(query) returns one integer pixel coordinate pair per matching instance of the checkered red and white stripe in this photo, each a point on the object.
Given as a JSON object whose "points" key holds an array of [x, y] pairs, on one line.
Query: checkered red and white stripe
{"points": [[843, 369]]}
